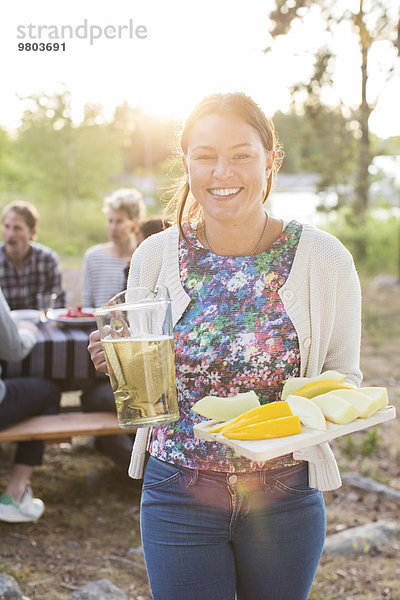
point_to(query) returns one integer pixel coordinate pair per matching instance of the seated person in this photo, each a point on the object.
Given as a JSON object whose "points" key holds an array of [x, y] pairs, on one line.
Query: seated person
{"points": [[26, 268], [146, 229], [149, 226], [103, 265], [21, 398]]}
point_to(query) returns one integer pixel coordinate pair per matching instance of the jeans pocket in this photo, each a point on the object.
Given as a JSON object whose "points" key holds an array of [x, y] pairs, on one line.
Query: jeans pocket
{"points": [[161, 474], [288, 482], [294, 481]]}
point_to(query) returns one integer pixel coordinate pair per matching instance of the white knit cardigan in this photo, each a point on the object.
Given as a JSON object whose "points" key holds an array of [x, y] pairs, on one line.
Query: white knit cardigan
{"points": [[321, 296]]}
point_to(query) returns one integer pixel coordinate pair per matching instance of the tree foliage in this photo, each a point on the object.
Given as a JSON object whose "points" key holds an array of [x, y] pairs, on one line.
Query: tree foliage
{"points": [[146, 140], [345, 157], [318, 140], [12, 176], [66, 167], [64, 162]]}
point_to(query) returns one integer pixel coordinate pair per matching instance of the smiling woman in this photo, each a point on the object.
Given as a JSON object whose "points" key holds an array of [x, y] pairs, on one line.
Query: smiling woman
{"points": [[228, 177], [230, 156], [246, 290]]}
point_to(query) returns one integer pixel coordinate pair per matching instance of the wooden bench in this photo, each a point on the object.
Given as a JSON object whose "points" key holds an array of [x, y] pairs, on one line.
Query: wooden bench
{"points": [[63, 427]]}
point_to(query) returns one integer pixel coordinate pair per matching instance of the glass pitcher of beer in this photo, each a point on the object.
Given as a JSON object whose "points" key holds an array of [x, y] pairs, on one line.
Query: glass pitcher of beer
{"points": [[136, 334]]}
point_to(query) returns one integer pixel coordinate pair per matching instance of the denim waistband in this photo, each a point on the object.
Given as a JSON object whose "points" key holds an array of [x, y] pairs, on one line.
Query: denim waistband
{"points": [[229, 477], [265, 475]]}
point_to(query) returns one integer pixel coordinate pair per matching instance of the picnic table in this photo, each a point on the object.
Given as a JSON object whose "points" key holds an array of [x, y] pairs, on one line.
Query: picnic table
{"points": [[60, 353]]}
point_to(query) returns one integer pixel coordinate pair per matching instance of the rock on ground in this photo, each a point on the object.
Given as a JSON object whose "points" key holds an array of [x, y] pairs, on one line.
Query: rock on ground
{"points": [[102, 589], [372, 486], [361, 539], [9, 588]]}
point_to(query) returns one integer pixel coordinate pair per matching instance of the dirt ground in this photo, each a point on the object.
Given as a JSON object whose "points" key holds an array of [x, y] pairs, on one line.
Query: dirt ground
{"points": [[90, 529]]}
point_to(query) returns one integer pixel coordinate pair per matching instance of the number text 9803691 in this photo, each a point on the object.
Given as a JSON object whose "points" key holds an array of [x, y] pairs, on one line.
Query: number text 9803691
{"points": [[41, 47]]}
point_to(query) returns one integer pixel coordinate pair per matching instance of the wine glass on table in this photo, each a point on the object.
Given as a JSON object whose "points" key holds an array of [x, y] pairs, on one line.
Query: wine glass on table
{"points": [[45, 302]]}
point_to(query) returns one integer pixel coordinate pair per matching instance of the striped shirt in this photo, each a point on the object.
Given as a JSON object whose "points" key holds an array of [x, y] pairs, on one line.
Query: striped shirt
{"points": [[103, 276]]}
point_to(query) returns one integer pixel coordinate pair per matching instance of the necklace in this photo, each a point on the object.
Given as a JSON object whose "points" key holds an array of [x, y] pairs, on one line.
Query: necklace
{"points": [[257, 245]]}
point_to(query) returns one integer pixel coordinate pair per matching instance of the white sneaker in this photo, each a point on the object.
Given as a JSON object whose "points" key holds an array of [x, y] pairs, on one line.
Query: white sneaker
{"points": [[29, 509]]}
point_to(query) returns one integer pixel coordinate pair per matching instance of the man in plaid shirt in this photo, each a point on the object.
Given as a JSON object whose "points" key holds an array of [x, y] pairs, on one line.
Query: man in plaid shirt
{"points": [[26, 268]]}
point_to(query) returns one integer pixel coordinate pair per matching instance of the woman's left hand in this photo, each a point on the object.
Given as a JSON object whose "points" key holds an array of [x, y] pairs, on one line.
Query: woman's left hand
{"points": [[96, 352]]}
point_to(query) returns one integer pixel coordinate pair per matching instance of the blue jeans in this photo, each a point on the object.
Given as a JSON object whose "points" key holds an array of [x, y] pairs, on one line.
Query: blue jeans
{"points": [[27, 397], [209, 535], [98, 396]]}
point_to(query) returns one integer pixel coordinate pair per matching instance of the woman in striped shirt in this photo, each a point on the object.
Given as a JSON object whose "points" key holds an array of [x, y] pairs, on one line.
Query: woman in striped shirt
{"points": [[104, 264]]}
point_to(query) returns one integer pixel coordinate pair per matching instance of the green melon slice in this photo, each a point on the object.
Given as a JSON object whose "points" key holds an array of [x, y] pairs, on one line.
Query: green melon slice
{"points": [[363, 403], [224, 409], [377, 393], [309, 413], [336, 409]]}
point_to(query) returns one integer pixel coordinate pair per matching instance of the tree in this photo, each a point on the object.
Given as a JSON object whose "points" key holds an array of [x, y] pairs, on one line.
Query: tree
{"points": [[65, 162], [291, 128], [147, 141], [372, 22], [318, 140], [12, 176]]}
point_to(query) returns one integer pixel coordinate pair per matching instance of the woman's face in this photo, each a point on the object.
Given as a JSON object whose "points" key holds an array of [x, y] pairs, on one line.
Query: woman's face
{"points": [[119, 225], [227, 167]]}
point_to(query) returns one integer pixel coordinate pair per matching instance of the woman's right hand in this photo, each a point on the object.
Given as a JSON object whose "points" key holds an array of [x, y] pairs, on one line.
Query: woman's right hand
{"points": [[96, 352]]}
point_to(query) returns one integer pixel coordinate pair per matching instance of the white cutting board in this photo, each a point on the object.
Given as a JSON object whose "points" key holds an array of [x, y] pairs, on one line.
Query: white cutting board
{"points": [[267, 449]]}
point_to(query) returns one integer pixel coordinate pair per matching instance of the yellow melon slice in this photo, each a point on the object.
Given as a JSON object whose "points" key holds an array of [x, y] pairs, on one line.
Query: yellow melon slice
{"points": [[316, 388], [293, 384], [272, 410], [272, 428]]}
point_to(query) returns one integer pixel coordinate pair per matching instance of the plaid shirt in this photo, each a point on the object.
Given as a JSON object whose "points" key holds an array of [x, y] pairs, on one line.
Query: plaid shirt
{"points": [[41, 273]]}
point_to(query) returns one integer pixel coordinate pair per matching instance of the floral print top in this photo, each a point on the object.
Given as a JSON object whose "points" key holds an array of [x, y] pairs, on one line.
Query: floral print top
{"points": [[234, 336]]}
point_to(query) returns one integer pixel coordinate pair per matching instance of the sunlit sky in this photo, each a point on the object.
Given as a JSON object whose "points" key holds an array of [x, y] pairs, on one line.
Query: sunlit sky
{"points": [[192, 49]]}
